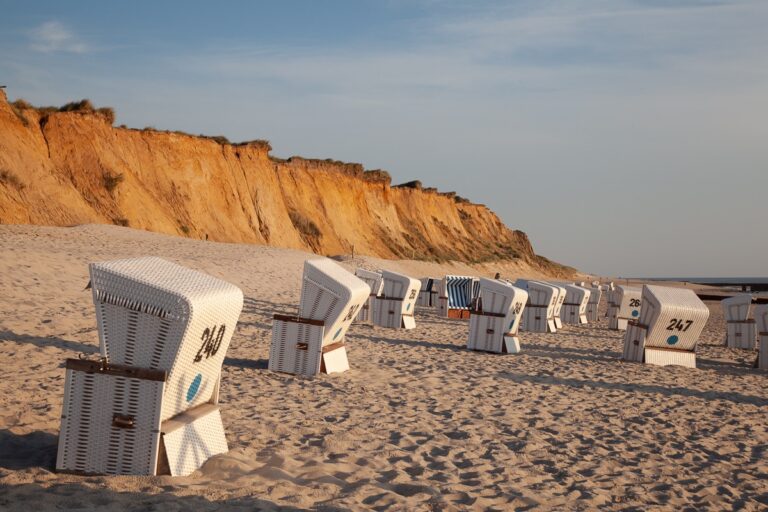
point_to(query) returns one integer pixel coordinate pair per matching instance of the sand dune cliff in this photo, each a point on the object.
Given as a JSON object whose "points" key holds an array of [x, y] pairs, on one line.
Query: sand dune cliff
{"points": [[67, 168]]}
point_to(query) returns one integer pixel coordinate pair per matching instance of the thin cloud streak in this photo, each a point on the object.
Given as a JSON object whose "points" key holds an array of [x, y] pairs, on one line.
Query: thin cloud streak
{"points": [[53, 36]]}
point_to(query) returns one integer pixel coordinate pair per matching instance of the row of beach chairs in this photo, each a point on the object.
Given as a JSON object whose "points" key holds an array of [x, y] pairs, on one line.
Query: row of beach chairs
{"points": [[149, 404]]}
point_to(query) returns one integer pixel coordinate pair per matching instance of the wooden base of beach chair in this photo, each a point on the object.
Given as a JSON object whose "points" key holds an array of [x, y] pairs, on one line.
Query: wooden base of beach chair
{"points": [[571, 314], [592, 315], [296, 345], [110, 424], [668, 357], [458, 314], [634, 342], [388, 313], [486, 334], [741, 334], [535, 320]]}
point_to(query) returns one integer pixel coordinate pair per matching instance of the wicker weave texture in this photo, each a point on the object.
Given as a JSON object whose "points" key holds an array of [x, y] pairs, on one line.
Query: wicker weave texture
{"points": [[498, 298], [661, 357], [88, 440], [761, 319], [675, 317], [155, 314], [737, 308], [375, 282], [332, 295], [296, 347]]}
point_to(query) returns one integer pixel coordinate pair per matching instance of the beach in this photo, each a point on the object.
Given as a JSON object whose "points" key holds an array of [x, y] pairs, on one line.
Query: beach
{"points": [[418, 423]]}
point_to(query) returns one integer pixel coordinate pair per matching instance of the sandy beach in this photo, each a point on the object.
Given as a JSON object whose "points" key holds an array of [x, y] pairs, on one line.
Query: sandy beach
{"points": [[418, 423]]}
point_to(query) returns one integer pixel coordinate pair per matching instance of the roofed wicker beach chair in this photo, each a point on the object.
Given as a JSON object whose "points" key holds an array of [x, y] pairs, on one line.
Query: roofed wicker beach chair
{"points": [[559, 301], [493, 326], [610, 298], [628, 300], [394, 308], [456, 296], [150, 406], [538, 315], [668, 327], [428, 292], [761, 318], [593, 305], [313, 341], [740, 329], [375, 282], [574, 309]]}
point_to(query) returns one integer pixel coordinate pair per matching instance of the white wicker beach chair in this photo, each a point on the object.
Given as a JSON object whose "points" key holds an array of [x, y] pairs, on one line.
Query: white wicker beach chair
{"points": [[593, 305], [628, 300], [761, 318], [150, 405], [493, 327], [610, 298], [740, 329], [559, 301], [456, 296], [668, 327], [394, 308], [313, 341], [376, 283], [428, 292], [538, 315], [574, 310]]}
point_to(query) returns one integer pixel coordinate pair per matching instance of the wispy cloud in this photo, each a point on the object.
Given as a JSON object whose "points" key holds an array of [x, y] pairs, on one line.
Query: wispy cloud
{"points": [[52, 36]]}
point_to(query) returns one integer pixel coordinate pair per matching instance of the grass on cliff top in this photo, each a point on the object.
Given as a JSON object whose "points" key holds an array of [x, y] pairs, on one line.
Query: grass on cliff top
{"points": [[84, 106]]}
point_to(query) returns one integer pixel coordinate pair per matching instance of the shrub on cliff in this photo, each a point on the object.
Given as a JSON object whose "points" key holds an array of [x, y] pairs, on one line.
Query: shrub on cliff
{"points": [[8, 178]]}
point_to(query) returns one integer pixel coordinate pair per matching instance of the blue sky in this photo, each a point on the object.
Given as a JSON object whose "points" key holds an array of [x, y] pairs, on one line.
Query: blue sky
{"points": [[626, 137]]}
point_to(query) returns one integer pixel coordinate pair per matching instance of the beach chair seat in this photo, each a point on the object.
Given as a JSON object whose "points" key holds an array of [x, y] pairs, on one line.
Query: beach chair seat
{"points": [[150, 405], [376, 283], [538, 314], [740, 329], [312, 342], [595, 294], [761, 319], [494, 325], [667, 329], [627, 305], [394, 308], [574, 310], [456, 295]]}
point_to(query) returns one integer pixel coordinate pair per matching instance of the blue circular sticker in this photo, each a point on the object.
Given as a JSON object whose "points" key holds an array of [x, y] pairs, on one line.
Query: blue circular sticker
{"points": [[337, 333], [672, 339], [635, 313], [408, 307], [194, 387]]}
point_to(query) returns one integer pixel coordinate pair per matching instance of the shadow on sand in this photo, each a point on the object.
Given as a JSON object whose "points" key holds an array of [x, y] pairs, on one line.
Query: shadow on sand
{"points": [[50, 341]]}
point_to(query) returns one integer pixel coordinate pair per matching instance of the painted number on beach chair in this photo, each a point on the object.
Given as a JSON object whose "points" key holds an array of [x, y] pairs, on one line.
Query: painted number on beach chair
{"points": [[518, 307], [634, 303], [352, 312], [679, 325], [413, 294], [211, 342]]}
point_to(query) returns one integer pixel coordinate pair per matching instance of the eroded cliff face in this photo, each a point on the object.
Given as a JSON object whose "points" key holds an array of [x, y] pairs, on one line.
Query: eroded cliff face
{"points": [[68, 168]]}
